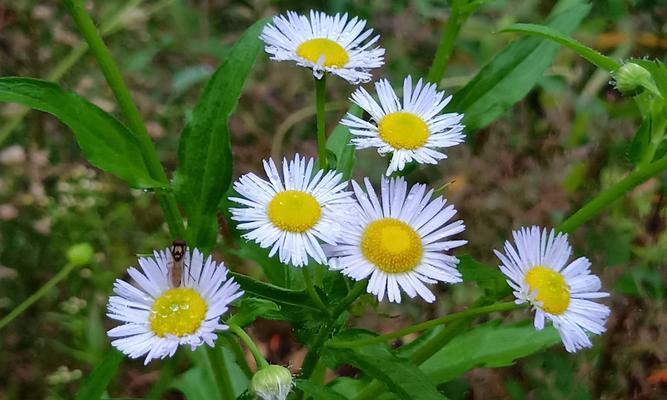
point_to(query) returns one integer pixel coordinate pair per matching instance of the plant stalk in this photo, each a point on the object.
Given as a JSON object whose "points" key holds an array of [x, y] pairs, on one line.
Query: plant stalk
{"points": [[223, 380], [312, 293], [259, 358], [449, 34], [41, 292], [498, 307], [135, 121], [320, 99]]}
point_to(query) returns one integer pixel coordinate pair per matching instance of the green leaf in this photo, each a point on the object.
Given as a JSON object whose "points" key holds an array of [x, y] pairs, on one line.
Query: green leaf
{"points": [[597, 59], [400, 375], [276, 272], [252, 308], [512, 73], [96, 383], [340, 146], [490, 345], [205, 170], [104, 141], [488, 278], [318, 392], [271, 292]]}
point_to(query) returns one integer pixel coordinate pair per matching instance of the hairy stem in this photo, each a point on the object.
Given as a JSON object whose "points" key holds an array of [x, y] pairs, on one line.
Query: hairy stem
{"points": [[320, 98], [312, 293], [259, 358], [613, 193]]}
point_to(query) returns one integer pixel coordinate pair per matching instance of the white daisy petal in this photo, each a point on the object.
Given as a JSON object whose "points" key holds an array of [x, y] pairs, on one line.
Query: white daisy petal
{"points": [[324, 43], [304, 208], [412, 130], [158, 317], [384, 241], [537, 269]]}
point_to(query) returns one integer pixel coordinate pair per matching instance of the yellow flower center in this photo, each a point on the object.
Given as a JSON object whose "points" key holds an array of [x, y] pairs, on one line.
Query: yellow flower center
{"points": [[552, 289], [392, 245], [177, 312], [334, 54], [294, 211], [403, 130]]}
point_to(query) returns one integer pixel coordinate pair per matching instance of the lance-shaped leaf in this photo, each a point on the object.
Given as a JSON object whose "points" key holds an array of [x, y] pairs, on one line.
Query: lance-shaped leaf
{"points": [[402, 378], [105, 142], [96, 383], [511, 74], [205, 155], [490, 345]]}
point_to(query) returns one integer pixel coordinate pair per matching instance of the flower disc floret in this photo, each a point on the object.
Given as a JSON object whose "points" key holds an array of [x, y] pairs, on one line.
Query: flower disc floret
{"points": [[403, 130], [177, 312], [392, 245], [326, 50], [551, 288], [294, 211]]}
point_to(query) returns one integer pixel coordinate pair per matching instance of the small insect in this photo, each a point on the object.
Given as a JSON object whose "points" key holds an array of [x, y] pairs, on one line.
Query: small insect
{"points": [[177, 265]]}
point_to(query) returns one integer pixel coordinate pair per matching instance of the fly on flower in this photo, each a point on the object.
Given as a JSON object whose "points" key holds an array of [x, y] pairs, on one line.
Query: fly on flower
{"points": [[158, 316], [324, 43], [412, 131], [400, 242], [537, 269], [177, 265]]}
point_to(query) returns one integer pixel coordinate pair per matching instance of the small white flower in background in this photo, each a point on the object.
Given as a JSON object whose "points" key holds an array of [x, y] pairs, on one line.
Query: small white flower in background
{"points": [[272, 383], [399, 241], [333, 44], [538, 271], [292, 214], [412, 131], [158, 317]]}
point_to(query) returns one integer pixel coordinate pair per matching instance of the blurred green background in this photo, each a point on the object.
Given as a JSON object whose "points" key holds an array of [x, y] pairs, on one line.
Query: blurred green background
{"points": [[554, 150]]}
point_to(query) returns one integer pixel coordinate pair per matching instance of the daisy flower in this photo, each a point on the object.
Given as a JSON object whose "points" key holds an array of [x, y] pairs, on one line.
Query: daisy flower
{"points": [[412, 131], [538, 271], [325, 44], [292, 214], [159, 317], [400, 242]]}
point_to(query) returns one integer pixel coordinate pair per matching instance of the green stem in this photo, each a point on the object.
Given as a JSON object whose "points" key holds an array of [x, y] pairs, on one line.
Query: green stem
{"points": [[658, 127], [449, 34], [312, 293], [320, 99], [135, 121], [41, 292], [313, 356], [220, 372], [259, 358], [613, 193], [498, 307]]}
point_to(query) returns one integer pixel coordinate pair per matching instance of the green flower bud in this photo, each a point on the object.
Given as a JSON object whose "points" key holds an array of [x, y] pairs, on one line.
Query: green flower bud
{"points": [[80, 254], [272, 383], [631, 79]]}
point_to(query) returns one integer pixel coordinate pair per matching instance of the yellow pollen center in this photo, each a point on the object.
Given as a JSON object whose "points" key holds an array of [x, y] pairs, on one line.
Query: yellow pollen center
{"points": [[392, 245], [552, 289], [294, 211], [334, 54], [403, 130], [177, 312]]}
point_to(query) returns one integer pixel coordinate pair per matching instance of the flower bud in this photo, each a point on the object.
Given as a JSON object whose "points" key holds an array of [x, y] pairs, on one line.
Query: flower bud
{"points": [[80, 254], [272, 383], [631, 79]]}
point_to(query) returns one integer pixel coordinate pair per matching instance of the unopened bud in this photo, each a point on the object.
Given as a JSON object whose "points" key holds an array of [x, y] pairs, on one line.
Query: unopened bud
{"points": [[272, 383], [632, 79], [80, 254]]}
